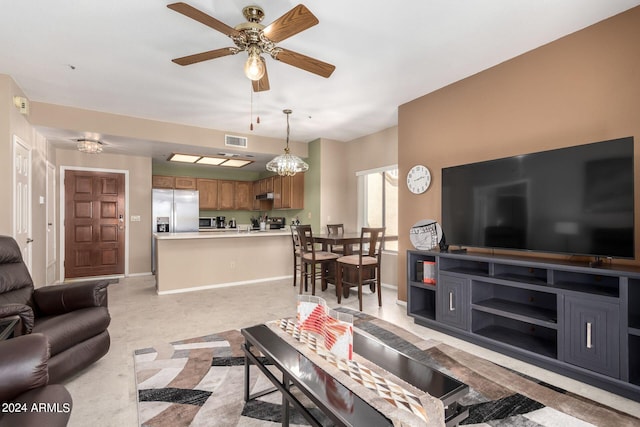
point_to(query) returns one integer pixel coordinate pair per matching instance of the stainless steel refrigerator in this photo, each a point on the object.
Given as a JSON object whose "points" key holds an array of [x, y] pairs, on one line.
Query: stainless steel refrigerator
{"points": [[173, 211]]}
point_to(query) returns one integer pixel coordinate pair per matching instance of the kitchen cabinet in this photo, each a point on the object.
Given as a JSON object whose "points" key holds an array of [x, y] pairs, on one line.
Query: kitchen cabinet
{"points": [[257, 204], [185, 183], [288, 192], [174, 182], [161, 181], [266, 185], [226, 194], [208, 191], [243, 193]]}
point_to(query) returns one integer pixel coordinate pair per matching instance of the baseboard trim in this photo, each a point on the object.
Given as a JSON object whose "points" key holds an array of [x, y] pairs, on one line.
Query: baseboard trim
{"points": [[222, 285]]}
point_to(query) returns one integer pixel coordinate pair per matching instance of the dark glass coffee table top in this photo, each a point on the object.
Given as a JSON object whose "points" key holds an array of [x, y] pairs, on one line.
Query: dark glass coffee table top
{"points": [[337, 400], [416, 373], [334, 399]]}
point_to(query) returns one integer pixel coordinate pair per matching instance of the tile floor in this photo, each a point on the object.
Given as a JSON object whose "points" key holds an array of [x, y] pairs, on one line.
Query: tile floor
{"points": [[105, 393]]}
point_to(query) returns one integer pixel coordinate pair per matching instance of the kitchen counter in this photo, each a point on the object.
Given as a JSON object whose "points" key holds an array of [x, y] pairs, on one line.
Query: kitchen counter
{"points": [[221, 233], [203, 260]]}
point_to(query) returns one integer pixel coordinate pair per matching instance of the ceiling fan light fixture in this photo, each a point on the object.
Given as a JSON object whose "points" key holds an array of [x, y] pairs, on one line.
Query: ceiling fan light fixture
{"points": [[287, 164], [254, 67], [90, 146]]}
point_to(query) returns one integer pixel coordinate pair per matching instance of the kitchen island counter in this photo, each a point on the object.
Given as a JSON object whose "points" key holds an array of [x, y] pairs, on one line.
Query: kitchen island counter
{"points": [[221, 234], [203, 260]]}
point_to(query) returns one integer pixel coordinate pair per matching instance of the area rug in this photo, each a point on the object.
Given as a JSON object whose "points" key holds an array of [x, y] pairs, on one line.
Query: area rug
{"points": [[200, 382]]}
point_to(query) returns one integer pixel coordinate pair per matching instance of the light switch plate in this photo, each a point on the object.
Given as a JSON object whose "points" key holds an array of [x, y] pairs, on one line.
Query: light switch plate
{"points": [[135, 218]]}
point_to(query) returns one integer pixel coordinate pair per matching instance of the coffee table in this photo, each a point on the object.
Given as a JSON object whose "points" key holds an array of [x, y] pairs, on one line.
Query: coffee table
{"points": [[329, 395]]}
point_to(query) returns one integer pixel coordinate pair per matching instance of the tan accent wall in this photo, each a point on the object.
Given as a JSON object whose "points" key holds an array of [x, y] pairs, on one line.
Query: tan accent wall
{"points": [[582, 88], [139, 199]]}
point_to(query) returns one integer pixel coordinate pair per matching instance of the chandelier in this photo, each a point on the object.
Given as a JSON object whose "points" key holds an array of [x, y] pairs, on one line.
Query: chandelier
{"points": [[287, 164], [90, 146]]}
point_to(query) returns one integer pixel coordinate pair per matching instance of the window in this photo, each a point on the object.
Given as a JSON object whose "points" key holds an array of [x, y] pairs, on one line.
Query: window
{"points": [[378, 201]]}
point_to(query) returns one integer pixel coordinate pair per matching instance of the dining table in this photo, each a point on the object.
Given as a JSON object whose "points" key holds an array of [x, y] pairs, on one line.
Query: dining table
{"points": [[350, 241], [347, 240]]}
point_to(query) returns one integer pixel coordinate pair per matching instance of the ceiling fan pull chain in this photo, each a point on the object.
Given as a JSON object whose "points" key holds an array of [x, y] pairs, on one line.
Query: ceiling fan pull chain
{"points": [[251, 109], [258, 105]]}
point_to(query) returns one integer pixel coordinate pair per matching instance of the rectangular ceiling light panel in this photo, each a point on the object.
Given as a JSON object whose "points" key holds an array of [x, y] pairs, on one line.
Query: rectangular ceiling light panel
{"points": [[236, 163], [185, 158], [214, 161]]}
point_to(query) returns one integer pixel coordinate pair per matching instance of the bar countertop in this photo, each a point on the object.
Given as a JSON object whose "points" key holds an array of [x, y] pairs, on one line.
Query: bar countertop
{"points": [[230, 233]]}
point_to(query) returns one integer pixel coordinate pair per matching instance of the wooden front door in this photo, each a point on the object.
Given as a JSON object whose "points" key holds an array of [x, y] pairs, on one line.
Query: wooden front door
{"points": [[94, 223]]}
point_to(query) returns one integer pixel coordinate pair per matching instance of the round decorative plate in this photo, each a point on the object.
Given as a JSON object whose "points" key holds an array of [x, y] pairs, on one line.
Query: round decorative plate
{"points": [[425, 234]]}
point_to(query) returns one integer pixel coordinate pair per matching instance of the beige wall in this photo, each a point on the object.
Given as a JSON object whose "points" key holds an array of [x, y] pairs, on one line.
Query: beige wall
{"points": [[138, 195], [75, 119], [334, 199], [13, 123], [340, 162], [579, 89]]}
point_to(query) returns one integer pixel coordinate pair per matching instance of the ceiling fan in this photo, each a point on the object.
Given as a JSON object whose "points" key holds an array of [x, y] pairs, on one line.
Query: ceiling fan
{"points": [[256, 39]]}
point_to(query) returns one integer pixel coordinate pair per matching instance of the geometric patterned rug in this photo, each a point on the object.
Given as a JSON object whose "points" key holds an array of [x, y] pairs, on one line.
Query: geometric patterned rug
{"points": [[200, 382]]}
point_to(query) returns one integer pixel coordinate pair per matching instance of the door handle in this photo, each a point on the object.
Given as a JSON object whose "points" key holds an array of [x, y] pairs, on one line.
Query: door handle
{"points": [[589, 343], [451, 307], [29, 240]]}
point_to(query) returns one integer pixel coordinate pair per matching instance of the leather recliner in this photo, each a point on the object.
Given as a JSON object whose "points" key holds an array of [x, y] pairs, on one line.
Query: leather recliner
{"points": [[74, 317], [27, 398]]}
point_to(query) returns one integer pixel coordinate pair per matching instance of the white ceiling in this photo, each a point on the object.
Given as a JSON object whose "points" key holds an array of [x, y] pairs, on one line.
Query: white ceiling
{"points": [[115, 56]]}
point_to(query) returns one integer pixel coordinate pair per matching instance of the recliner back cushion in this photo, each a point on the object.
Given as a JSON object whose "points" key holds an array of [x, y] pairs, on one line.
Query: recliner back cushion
{"points": [[16, 285]]}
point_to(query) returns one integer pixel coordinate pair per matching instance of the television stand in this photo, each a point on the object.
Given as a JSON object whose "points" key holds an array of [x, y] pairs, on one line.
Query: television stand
{"points": [[460, 250], [597, 262], [578, 320]]}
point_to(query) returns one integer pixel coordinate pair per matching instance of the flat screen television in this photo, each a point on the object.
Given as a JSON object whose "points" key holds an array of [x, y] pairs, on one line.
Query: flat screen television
{"points": [[576, 200]]}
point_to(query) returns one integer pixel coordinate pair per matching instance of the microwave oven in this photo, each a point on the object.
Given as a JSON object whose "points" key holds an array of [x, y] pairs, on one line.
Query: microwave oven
{"points": [[207, 222]]}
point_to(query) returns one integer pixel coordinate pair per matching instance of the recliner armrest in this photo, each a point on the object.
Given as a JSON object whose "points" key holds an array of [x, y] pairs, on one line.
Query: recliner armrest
{"points": [[21, 310], [58, 299], [23, 365]]}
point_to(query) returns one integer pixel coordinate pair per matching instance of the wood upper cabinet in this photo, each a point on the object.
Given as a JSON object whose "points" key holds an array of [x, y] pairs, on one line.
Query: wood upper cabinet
{"points": [[266, 185], [243, 193], [256, 204], [288, 192], [174, 182], [226, 195], [208, 193], [161, 181], [185, 183]]}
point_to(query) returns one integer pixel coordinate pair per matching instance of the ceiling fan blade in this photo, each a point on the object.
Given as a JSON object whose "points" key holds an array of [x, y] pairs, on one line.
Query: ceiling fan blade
{"points": [[297, 19], [203, 56], [262, 84], [193, 13], [306, 63]]}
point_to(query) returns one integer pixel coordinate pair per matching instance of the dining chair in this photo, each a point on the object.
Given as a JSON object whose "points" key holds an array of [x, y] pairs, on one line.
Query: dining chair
{"points": [[314, 263], [339, 230], [364, 267], [295, 239]]}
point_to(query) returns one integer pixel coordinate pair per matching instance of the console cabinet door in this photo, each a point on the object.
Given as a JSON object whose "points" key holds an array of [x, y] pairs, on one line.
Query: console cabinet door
{"points": [[453, 301], [593, 341]]}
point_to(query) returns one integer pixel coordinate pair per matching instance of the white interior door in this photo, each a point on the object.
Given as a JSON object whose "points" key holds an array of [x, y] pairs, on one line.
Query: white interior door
{"points": [[51, 223], [22, 198]]}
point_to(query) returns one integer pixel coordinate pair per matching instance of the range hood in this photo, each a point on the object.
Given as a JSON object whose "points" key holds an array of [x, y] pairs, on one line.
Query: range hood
{"points": [[264, 196]]}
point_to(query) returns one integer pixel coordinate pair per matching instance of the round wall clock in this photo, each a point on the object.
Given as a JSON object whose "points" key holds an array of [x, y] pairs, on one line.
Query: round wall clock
{"points": [[418, 179]]}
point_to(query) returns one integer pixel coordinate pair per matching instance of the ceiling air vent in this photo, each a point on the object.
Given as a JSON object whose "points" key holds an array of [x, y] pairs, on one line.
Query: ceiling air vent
{"points": [[235, 141]]}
